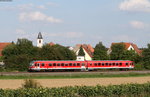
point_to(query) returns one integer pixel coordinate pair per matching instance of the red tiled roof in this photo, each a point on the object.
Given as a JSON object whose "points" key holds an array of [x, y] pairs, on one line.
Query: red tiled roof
{"points": [[127, 45], [88, 48], [2, 46], [51, 43]]}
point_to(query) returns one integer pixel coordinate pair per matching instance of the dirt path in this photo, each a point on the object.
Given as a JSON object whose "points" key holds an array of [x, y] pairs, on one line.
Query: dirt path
{"points": [[16, 83]]}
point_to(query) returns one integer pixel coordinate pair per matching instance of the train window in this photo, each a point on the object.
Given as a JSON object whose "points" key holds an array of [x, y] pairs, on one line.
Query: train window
{"points": [[42, 64], [116, 64], [54, 64], [95, 64], [83, 64], [109, 64], [38, 64], [66, 64], [62, 64], [106, 64], [74, 64], [35, 64], [70, 64], [113, 64], [78, 64], [50, 64], [102, 64], [126, 64], [90, 64], [120, 64], [99, 64], [58, 64]]}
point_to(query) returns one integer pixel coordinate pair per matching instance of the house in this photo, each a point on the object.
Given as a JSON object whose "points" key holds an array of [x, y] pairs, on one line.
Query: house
{"points": [[2, 46], [87, 48], [51, 44], [128, 46]]}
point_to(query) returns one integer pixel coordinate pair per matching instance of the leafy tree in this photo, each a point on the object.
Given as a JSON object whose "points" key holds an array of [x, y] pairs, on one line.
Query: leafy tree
{"points": [[17, 56], [117, 51], [131, 55], [100, 52], [146, 57], [81, 52]]}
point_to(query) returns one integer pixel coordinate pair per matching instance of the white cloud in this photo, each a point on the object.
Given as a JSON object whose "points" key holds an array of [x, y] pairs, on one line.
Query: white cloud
{"points": [[37, 16], [138, 24], [135, 5]]}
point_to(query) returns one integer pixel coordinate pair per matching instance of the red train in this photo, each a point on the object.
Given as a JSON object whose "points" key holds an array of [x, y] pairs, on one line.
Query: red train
{"points": [[80, 65]]}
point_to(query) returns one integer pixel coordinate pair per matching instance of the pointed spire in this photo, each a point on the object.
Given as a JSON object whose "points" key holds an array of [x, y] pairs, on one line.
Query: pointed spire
{"points": [[39, 36]]}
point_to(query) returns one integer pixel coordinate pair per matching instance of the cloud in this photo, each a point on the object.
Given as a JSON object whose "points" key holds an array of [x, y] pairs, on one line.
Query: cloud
{"points": [[37, 16], [135, 5], [138, 24]]}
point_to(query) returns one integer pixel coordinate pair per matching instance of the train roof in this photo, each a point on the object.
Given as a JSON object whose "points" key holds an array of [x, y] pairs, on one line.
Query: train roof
{"points": [[78, 60]]}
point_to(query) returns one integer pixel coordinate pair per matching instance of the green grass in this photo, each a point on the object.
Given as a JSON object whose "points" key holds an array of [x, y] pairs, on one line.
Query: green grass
{"points": [[101, 75]]}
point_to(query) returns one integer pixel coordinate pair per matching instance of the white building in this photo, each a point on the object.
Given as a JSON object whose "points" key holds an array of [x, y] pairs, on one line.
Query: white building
{"points": [[39, 40]]}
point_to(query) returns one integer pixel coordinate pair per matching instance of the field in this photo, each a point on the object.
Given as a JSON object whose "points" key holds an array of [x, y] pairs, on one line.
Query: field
{"points": [[16, 83]]}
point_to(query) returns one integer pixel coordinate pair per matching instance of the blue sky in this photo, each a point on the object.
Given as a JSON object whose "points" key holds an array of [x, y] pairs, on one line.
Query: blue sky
{"points": [[70, 22]]}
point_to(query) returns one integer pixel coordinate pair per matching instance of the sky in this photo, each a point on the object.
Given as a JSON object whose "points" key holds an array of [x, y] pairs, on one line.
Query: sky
{"points": [[71, 22]]}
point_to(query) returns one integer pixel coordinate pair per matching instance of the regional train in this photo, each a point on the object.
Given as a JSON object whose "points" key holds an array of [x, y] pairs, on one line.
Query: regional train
{"points": [[80, 65]]}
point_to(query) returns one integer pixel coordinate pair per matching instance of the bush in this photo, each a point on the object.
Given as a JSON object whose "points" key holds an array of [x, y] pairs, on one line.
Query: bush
{"points": [[31, 83], [124, 90]]}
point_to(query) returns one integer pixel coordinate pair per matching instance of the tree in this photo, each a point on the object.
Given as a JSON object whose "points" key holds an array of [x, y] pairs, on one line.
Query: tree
{"points": [[100, 52], [131, 55], [17, 56], [81, 52], [146, 57], [117, 51]]}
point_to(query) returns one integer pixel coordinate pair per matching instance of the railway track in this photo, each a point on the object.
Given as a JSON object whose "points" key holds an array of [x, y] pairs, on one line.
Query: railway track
{"points": [[69, 73]]}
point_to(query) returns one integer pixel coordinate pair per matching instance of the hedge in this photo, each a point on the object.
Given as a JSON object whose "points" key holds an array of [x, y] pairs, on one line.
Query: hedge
{"points": [[124, 90]]}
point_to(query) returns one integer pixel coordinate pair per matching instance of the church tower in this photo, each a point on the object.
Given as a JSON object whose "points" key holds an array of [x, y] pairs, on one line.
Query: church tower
{"points": [[39, 40]]}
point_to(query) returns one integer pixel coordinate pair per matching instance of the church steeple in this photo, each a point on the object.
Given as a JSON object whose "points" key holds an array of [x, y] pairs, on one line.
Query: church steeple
{"points": [[39, 36], [39, 40]]}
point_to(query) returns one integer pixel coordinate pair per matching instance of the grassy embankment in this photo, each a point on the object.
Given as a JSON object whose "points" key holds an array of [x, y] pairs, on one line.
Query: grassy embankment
{"points": [[63, 76]]}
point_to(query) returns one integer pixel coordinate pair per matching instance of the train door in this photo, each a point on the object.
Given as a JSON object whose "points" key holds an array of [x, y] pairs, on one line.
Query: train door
{"points": [[37, 66], [84, 66]]}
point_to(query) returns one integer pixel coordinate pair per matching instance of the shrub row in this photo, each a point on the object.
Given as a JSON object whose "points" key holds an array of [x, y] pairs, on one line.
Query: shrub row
{"points": [[124, 90]]}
